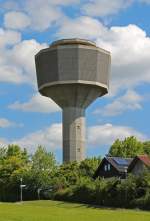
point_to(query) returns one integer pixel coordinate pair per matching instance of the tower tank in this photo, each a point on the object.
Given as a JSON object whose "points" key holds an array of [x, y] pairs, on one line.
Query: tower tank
{"points": [[73, 73]]}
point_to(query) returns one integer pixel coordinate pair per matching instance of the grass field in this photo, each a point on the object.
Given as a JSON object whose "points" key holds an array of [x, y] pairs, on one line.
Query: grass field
{"points": [[60, 211]]}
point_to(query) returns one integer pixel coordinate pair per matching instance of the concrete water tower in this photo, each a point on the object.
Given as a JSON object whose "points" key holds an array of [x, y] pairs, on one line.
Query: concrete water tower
{"points": [[73, 73]]}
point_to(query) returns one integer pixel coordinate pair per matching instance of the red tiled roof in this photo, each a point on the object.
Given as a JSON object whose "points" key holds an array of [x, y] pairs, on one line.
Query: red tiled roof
{"points": [[145, 159]]}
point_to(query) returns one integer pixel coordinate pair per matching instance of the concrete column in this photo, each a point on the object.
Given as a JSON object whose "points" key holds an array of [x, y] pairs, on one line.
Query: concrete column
{"points": [[73, 134]]}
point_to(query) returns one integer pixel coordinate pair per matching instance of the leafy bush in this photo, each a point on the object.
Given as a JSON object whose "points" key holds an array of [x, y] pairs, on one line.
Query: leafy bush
{"points": [[44, 179]]}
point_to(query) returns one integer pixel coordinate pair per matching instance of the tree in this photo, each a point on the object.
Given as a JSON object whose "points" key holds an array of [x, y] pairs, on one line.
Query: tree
{"points": [[15, 150], [43, 160], [12, 167], [2, 153], [69, 173], [116, 149], [146, 147], [88, 166], [129, 147], [43, 167]]}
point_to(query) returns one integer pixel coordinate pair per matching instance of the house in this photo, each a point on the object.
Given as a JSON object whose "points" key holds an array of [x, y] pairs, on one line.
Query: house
{"points": [[113, 167], [139, 164]]}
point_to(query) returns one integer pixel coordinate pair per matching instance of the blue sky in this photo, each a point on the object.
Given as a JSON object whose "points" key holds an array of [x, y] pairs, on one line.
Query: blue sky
{"points": [[120, 26]]}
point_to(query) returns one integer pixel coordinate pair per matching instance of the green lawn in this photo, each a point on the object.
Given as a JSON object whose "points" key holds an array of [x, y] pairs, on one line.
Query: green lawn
{"points": [[60, 211]]}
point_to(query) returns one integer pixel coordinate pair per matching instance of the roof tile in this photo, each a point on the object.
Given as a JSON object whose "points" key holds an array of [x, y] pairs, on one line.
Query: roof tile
{"points": [[145, 159]]}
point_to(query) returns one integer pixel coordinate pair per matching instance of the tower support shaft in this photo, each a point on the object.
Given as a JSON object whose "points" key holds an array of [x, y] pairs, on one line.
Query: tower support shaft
{"points": [[73, 134]]}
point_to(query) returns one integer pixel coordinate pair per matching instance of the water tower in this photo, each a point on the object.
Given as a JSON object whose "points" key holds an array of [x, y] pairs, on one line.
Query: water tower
{"points": [[73, 73]]}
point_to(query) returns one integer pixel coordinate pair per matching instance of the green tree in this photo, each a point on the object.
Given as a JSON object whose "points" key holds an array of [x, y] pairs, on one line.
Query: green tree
{"points": [[12, 168], [43, 160], [43, 166], [2, 153], [129, 147], [69, 173], [146, 147], [88, 166], [116, 148]]}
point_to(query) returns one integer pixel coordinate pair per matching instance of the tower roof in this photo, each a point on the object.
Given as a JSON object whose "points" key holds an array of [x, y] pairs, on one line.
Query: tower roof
{"points": [[73, 41]]}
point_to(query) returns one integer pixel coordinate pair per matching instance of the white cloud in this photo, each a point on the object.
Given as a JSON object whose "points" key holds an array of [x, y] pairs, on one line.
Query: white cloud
{"points": [[104, 7], [42, 14], [22, 56], [106, 134], [64, 2], [129, 101], [82, 27], [17, 63], [16, 5], [4, 123], [11, 74], [16, 20], [37, 103], [8, 37], [39, 14], [50, 137], [9, 5], [129, 47], [97, 136]]}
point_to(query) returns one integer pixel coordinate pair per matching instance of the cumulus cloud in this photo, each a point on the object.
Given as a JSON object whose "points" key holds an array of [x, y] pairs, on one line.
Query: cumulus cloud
{"points": [[43, 18], [104, 7], [97, 136], [4, 123], [17, 62], [129, 101], [39, 14], [9, 38], [129, 47], [22, 56], [42, 14], [64, 2], [106, 134], [16, 20], [82, 27], [37, 103], [50, 137]]}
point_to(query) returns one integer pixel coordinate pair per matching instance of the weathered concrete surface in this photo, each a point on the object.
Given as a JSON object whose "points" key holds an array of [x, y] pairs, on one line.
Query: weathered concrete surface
{"points": [[73, 134], [73, 72]]}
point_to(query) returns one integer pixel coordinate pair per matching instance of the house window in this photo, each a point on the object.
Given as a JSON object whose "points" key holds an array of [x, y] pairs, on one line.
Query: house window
{"points": [[105, 168]]}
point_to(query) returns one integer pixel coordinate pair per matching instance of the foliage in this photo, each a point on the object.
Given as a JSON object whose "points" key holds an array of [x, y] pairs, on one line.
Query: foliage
{"points": [[45, 179], [129, 147], [16, 164], [12, 165], [146, 147], [88, 166]]}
